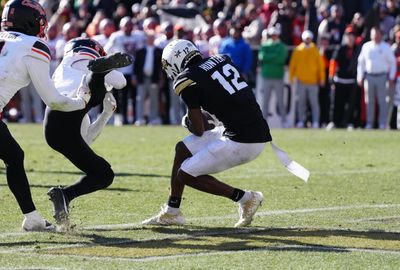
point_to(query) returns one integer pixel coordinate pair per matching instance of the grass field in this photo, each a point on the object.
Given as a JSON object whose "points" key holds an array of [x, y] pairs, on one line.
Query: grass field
{"points": [[346, 217]]}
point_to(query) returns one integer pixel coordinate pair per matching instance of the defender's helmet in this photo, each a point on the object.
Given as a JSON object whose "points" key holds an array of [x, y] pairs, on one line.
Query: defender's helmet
{"points": [[84, 45], [176, 55], [24, 16]]}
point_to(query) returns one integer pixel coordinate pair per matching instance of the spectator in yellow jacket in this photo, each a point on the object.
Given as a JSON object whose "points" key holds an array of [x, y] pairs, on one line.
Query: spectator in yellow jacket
{"points": [[307, 67]]}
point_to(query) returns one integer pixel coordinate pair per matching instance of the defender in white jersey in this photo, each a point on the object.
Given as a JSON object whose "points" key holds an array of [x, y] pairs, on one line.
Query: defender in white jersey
{"points": [[24, 57], [70, 133]]}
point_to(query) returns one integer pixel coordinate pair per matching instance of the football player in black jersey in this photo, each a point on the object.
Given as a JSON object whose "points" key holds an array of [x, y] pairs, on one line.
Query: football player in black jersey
{"points": [[212, 84]]}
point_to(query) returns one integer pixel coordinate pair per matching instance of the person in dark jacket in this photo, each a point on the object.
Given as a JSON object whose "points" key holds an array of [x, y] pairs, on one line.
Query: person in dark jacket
{"points": [[147, 69], [342, 71]]}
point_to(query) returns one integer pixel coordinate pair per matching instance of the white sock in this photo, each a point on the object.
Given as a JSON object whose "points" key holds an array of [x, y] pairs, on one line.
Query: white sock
{"points": [[246, 197], [33, 215], [172, 210]]}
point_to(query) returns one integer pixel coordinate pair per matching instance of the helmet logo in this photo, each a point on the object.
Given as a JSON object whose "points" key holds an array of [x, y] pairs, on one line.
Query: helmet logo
{"points": [[165, 64], [186, 50], [178, 53]]}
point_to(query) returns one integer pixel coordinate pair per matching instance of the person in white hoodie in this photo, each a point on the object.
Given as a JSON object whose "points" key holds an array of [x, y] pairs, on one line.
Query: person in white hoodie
{"points": [[70, 133], [25, 58]]}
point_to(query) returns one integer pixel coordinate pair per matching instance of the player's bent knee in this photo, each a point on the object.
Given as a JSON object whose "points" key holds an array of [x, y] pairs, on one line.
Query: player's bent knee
{"points": [[185, 178], [54, 143], [107, 177], [181, 151]]}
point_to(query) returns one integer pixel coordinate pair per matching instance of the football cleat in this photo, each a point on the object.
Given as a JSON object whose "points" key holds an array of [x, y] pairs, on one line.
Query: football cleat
{"points": [[60, 205], [165, 219], [248, 208], [109, 62], [37, 225]]}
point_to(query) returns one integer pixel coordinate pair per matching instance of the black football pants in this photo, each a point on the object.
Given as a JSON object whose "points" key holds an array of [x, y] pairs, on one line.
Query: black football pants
{"points": [[13, 157], [63, 134]]}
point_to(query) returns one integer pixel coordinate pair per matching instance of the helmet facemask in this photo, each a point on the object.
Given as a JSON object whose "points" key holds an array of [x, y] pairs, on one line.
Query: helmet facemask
{"points": [[43, 27]]}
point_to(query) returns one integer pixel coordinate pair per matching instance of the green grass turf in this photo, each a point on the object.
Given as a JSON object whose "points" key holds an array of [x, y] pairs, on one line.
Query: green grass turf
{"points": [[346, 217]]}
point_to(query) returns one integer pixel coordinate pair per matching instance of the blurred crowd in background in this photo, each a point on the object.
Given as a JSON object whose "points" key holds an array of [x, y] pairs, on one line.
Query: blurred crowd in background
{"points": [[312, 63]]}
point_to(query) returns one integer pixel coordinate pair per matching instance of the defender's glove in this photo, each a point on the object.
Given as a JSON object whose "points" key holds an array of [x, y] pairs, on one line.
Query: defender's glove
{"points": [[84, 91], [109, 103]]}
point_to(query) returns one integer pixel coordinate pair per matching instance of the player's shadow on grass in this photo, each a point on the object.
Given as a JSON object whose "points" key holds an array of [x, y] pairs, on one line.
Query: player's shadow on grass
{"points": [[268, 238], [123, 174], [37, 243], [205, 239]]}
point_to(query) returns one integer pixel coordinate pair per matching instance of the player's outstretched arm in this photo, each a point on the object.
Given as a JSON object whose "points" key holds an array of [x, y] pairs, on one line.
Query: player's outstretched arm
{"points": [[90, 132], [39, 72]]}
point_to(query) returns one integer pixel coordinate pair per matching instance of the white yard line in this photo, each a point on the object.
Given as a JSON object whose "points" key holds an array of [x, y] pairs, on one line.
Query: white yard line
{"points": [[375, 219], [265, 213], [32, 268], [11, 234]]}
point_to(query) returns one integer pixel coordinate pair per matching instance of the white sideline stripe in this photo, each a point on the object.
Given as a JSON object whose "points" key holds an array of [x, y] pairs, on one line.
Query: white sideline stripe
{"points": [[375, 219], [217, 253], [4, 235], [267, 213], [32, 268]]}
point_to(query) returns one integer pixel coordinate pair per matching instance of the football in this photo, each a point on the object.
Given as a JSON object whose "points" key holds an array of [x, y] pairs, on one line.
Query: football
{"points": [[208, 120]]}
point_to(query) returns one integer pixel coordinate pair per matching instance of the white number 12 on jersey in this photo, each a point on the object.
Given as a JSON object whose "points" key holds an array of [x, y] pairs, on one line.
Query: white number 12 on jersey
{"points": [[230, 84]]}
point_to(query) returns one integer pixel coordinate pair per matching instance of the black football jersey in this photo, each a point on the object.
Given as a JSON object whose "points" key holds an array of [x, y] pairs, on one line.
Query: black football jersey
{"points": [[216, 85]]}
